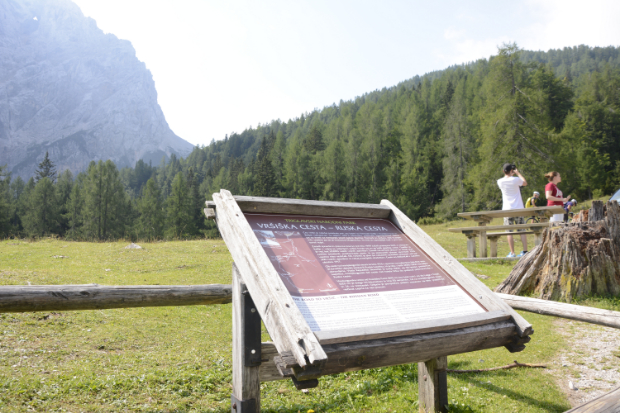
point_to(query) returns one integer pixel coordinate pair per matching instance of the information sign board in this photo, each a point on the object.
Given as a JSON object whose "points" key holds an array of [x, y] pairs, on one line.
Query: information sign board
{"points": [[346, 273]]}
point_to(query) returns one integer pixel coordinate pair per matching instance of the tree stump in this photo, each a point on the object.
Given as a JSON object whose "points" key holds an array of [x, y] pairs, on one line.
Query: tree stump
{"points": [[573, 260]]}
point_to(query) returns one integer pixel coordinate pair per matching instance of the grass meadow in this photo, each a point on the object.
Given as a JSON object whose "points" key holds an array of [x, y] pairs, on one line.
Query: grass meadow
{"points": [[178, 359]]}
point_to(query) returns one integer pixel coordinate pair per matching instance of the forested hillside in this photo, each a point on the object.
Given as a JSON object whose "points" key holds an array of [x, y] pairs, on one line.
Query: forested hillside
{"points": [[433, 145]]}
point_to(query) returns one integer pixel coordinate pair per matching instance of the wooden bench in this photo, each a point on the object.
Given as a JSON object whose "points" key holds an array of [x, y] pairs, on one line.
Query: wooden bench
{"points": [[482, 231]]}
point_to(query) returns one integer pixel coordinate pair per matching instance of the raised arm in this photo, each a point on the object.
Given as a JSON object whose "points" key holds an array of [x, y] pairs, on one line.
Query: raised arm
{"points": [[521, 176]]}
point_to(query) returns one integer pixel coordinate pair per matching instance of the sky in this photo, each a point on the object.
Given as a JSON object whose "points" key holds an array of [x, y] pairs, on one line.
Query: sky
{"points": [[222, 66]]}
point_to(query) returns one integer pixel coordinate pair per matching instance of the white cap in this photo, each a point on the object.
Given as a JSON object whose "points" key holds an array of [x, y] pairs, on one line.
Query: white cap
{"points": [[536, 193]]}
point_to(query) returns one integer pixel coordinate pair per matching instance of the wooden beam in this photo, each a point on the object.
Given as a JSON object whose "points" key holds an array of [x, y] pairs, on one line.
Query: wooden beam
{"points": [[524, 212], [573, 312], [461, 275], [307, 207], [433, 385], [26, 298], [392, 351], [29, 298], [486, 228], [285, 323]]}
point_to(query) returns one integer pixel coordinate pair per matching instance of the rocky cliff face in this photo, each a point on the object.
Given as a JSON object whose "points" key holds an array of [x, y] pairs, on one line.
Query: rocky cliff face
{"points": [[68, 88]]}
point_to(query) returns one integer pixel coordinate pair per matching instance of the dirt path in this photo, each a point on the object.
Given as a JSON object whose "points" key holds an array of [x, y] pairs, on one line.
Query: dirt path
{"points": [[591, 361]]}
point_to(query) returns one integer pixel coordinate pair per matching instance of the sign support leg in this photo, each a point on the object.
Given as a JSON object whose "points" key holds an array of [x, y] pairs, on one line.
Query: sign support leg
{"points": [[433, 385], [246, 349]]}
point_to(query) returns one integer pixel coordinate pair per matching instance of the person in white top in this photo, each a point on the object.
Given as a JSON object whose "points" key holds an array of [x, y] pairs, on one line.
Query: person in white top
{"points": [[510, 185]]}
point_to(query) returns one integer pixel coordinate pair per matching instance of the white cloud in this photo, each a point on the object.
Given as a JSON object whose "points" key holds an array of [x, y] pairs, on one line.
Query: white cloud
{"points": [[466, 49], [563, 23]]}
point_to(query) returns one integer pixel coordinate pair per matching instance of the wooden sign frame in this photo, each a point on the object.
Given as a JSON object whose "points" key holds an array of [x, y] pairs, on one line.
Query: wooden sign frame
{"points": [[302, 348]]}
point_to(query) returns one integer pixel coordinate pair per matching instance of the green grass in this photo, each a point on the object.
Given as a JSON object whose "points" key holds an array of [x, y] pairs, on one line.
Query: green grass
{"points": [[178, 359]]}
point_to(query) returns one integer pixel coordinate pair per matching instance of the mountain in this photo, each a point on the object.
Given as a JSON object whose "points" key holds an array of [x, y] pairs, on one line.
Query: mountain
{"points": [[69, 89]]}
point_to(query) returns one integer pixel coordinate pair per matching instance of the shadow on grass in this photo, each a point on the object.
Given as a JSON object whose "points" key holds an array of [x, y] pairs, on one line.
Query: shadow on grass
{"points": [[547, 406], [351, 399]]}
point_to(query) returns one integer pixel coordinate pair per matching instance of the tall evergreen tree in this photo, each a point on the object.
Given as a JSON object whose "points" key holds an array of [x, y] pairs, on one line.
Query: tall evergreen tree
{"points": [[511, 128], [457, 153], [41, 218], [17, 188], [196, 202], [105, 202], [150, 207], [46, 169], [5, 204], [179, 209], [63, 192], [265, 177], [74, 214]]}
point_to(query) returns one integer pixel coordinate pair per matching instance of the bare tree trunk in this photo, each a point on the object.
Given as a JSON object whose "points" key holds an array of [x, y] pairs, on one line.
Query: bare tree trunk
{"points": [[573, 260]]}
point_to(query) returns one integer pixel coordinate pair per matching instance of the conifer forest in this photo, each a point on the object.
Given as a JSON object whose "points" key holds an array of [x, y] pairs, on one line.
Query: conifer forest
{"points": [[434, 145]]}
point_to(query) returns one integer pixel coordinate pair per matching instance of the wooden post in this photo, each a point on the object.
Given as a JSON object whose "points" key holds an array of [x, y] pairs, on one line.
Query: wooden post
{"points": [[246, 350], [471, 245], [433, 385], [493, 245], [483, 240]]}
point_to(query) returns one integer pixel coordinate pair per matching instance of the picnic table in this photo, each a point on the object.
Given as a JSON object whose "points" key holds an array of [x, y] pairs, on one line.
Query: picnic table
{"points": [[485, 217]]}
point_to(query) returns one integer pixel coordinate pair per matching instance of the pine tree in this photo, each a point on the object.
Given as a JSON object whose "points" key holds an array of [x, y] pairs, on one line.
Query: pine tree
{"points": [[17, 188], [75, 209], [265, 177], [196, 203], [63, 191], [179, 216], [5, 204], [150, 207], [457, 153], [41, 218], [314, 140], [393, 169], [333, 172], [46, 169], [511, 130], [105, 202]]}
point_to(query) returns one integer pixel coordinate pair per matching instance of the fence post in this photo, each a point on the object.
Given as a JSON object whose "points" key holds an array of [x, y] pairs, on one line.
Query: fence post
{"points": [[246, 349]]}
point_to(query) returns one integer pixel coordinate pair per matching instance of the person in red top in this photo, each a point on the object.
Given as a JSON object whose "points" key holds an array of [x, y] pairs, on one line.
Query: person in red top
{"points": [[554, 195]]}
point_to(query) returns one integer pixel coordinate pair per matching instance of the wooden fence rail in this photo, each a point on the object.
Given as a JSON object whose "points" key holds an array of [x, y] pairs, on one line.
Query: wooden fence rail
{"points": [[26, 298], [573, 312]]}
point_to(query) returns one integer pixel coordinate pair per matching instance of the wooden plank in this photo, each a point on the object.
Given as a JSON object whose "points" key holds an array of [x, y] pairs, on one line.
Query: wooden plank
{"points": [[501, 234], [283, 320], [489, 259], [26, 298], [392, 351], [433, 385], [405, 329], [245, 380], [539, 226], [307, 207], [461, 275], [209, 213], [524, 212], [573, 312], [607, 403]]}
